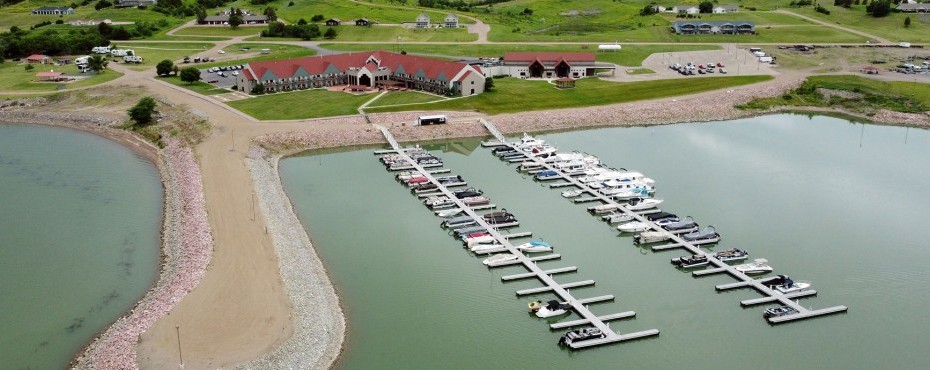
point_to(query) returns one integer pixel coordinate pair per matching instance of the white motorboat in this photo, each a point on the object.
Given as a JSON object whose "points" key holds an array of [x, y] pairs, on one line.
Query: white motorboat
{"points": [[643, 203], [572, 193], [604, 208], [633, 227], [792, 286], [651, 237], [484, 247], [535, 246], [757, 266], [544, 151], [617, 217], [471, 241], [528, 141], [499, 259], [449, 212], [550, 309]]}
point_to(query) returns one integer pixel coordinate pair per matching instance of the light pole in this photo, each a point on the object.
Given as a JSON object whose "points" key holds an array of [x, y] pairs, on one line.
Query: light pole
{"points": [[180, 357]]}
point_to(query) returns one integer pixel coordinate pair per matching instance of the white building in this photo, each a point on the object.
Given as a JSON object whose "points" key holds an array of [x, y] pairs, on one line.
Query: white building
{"points": [[423, 21], [723, 9], [686, 9], [451, 21]]}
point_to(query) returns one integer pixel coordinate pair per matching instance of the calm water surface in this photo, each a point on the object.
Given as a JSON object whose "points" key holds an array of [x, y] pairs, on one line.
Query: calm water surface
{"points": [[840, 204], [80, 218]]}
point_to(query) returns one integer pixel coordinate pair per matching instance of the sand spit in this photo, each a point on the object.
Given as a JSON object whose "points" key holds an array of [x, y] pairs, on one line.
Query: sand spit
{"points": [[187, 249], [319, 323]]}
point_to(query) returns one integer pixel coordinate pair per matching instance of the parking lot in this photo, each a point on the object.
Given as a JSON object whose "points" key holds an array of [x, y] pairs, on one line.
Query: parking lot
{"points": [[736, 62], [223, 77]]}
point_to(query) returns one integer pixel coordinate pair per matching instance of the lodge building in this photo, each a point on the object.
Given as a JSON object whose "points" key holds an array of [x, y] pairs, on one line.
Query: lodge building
{"points": [[546, 65], [375, 69]]}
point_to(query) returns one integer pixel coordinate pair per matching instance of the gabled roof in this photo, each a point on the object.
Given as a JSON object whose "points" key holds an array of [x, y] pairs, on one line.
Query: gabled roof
{"points": [[920, 6], [36, 57], [431, 68], [549, 57], [49, 74], [423, 17]]}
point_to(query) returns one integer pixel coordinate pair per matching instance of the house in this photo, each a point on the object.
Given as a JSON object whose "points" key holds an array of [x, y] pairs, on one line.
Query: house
{"points": [[685, 9], [131, 3], [659, 8], [246, 19], [914, 8], [714, 27], [53, 10], [38, 59], [51, 76], [362, 22], [333, 22], [547, 65], [374, 69], [422, 21], [723, 9], [451, 21]]}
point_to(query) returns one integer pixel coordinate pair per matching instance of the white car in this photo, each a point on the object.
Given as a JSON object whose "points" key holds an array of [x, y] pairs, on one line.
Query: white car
{"points": [[235, 73], [221, 74], [221, 52]]}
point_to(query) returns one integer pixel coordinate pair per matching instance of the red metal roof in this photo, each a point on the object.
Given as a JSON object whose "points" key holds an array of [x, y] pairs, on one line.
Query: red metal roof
{"points": [[285, 68], [549, 57], [36, 57], [49, 74]]}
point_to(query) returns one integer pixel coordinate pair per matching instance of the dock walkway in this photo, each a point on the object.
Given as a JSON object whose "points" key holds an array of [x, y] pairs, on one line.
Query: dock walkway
{"points": [[745, 281], [559, 289]]}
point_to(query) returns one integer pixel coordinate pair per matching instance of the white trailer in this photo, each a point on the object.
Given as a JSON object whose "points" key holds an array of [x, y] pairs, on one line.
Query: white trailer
{"points": [[132, 59], [431, 120], [122, 52], [609, 47], [101, 50], [81, 60]]}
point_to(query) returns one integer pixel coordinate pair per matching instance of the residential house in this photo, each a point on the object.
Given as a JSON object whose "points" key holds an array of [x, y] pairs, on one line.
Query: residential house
{"points": [[723, 9], [659, 8], [131, 3], [362, 22], [685, 9], [53, 10], [423, 21], [333, 22], [38, 59], [375, 69], [713, 27], [451, 21], [547, 64], [914, 8], [246, 19]]}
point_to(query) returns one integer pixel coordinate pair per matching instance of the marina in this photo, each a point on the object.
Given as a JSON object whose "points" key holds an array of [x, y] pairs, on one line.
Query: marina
{"points": [[679, 241], [605, 336]]}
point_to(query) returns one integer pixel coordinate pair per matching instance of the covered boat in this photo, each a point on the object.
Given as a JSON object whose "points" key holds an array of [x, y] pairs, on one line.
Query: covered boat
{"points": [[425, 187], [633, 227], [478, 238], [778, 311], [733, 254], [499, 259], [547, 175], [535, 246], [484, 247], [549, 309], [659, 216], [572, 193], [603, 208], [449, 212], [616, 217], [690, 261], [757, 266], [502, 217], [706, 234], [775, 281], [438, 202], [686, 224], [467, 193], [460, 221], [651, 237], [476, 201], [581, 335]]}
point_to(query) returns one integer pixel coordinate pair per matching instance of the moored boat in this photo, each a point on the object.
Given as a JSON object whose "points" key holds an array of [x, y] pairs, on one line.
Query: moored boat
{"points": [[604, 208], [550, 309], [535, 246], [581, 335], [757, 266], [686, 224], [460, 221], [633, 227], [616, 217], [733, 254], [547, 175], [476, 201], [467, 193], [572, 193], [484, 247], [499, 259], [705, 235], [690, 261], [449, 212], [501, 217], [778, 312], [651, 237], [639, 204]]}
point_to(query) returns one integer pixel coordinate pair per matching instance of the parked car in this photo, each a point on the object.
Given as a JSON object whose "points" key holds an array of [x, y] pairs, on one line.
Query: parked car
{"points": [[701, 71], [235, 73], [710, 70], [711, 65], [221, 74], [720, 65], [221, 52], [723, 70]]}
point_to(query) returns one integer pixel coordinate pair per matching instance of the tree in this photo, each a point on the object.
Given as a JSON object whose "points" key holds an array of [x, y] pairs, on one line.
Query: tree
{"points": [[488, 84], [258, 89], [907, 22], [105, 29], [96, 63], [142, 112], [271, 14], [102, 4], [879, 8], [201, 14], [706, 7], [317, 18], [190, 75], [29, 67], [301, 21], [164, 67], [235, 18], [647, 10], [330, 33]]}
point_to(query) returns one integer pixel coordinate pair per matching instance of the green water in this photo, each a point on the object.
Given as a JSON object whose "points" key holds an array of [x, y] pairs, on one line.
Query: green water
{"points": [[80, 218], [840, 204]]}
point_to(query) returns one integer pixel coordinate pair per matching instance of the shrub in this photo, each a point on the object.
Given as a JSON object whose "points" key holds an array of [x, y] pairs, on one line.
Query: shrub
{"points": [[142, 112]]}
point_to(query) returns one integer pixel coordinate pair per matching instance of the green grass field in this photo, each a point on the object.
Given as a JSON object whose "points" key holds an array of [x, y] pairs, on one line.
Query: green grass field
{"points": [[239, 55], [890, 27], [222, 31], [893, 95], [197, 87], [395, 33], [514, 95], [154, 52], [21, 14], [630, 55], [301, 104], [404, 97], [349, 11], [15, 77]]}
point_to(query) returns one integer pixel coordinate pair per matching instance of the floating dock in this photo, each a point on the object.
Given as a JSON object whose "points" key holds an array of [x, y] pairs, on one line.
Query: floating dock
{"points": [[745, 281], [544, 276]]}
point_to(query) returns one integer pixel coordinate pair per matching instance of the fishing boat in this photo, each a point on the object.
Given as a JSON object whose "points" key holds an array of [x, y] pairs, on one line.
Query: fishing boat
{"points": [[604, 208], [733, 254], [633, 227], [651, 237], [550, 309], [581, 335], [449, 212], [572, 193], [499, 259], [535, 246], [690, 261], [639, 204], [757, 266], [617, 217], [703, 236], [778, 312]]}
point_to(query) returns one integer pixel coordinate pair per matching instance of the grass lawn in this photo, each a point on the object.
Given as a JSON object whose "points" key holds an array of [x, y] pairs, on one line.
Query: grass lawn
{"points": [[349, 11], [890, 27], [220, 31], [404, 97], [154, 52], [241, 55], [21, 14], [301, 104], [514, 95], [395, 33], [892, 95], [599, 33], [630, 55], [15, 77], [199, 87]]}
